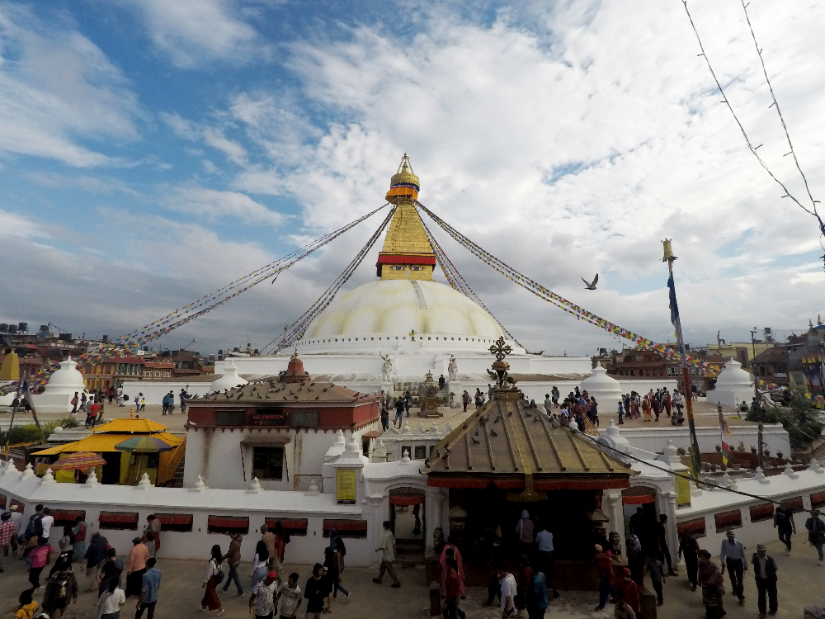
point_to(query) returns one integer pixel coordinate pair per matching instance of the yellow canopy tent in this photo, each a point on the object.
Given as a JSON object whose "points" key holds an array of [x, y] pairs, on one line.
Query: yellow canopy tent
{"points": [[107, 436]]}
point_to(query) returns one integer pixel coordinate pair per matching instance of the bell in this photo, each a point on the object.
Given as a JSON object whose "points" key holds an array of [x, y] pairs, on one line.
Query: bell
{"points": [[668, 251]]}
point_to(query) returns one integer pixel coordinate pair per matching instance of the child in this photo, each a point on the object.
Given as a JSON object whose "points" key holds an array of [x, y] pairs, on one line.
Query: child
{"points": [[622, 611], [657, 577], [521, 607]]}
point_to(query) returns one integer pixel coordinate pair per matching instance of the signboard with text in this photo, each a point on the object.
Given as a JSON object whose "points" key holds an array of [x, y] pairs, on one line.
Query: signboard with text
{"points": [[345, 486], [266, 419]]}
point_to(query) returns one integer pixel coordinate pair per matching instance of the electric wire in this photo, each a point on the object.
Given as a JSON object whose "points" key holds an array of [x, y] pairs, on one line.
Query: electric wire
{"points": [[686, 476], [457, 281], [753, 149], [297, 329]]}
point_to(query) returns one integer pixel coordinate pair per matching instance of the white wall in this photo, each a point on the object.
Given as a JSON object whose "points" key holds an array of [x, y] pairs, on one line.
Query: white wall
{"points": [[215, 454], [196, 544], [779, 487], [652, 438]]}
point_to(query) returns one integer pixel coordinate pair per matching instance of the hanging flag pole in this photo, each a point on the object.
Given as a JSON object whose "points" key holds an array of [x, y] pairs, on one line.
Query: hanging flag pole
{"points": [[695, 454]]}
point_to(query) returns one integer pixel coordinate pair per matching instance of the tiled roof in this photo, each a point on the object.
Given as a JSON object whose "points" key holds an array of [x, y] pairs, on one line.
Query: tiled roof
{"points": [[276, 392], [505, 440]]}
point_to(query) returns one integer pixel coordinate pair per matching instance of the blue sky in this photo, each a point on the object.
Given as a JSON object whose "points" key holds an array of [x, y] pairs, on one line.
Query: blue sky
{"points": [[151, 151]]}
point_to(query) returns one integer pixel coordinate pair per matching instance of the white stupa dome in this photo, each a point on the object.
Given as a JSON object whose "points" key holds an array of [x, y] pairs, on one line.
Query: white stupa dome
{"points": [[733, 386], [388, 310], [67, 376], [734, 375], [228, 380], [606, 389]]}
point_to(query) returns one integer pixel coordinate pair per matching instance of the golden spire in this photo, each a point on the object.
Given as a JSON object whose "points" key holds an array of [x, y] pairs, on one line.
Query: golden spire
{"points": [[407, 252]]}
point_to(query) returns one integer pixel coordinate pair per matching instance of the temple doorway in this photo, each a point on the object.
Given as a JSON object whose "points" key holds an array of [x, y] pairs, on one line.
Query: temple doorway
{"points": [[407, 509], [641, 515], [483, 524]]}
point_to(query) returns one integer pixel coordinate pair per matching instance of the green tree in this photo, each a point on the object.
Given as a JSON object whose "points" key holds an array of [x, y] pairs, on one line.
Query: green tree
{"points": [[800, 420]]}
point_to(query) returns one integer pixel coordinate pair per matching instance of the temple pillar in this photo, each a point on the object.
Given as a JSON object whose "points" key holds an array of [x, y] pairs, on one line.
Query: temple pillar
{"points": [[380, 513], [615, 511], [669, 499], [435, 517]]}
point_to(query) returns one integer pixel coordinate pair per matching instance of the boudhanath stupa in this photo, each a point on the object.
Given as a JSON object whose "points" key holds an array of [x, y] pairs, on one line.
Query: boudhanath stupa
{"points": [[389, 333]]}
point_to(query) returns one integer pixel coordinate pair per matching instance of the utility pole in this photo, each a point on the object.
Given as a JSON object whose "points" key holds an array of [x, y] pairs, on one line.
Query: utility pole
{"points": [[757, 406]]}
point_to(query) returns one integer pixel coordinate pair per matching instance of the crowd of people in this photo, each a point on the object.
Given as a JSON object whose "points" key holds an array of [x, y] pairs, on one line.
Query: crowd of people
{"points": [[524, 587], [112, 580], [652, 405]]}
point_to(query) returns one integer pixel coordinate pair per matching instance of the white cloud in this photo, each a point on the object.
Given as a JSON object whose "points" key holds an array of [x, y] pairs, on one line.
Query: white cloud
{"points": [[214, 206], [194, 32], [57, 90], [211, 135], [13, 224]]}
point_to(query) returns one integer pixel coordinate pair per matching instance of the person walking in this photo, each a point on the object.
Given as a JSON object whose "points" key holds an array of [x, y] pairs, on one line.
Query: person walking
{"points": [[333, 573], [399, 412], [450, 549], [210, 600], [547, 565], [149, 586], [46, 522], [733, 557], [385, 417], [91, 414], [629, 589], [61, 589], [111, 569], [233, 560], [262, 601], [713, 586], [95, 555], [508, 591], [604, 568], [6, 535], [784, 523], [39, 557], [289, 597], [259, 563], [111, 601], [317, 592], [151, 534], [452, 587], [17, 519], [764, 571], [465, 400], [79, 534], [816, 532], [657, 577], [268, 538], [664, 551], [537, 599], [388, 555], [646, 408], [689, 549], [525, 531], [136, 567]]}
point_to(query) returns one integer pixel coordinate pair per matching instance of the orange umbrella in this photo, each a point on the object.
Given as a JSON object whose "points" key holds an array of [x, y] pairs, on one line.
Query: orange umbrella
{"points": [[78, 460]]}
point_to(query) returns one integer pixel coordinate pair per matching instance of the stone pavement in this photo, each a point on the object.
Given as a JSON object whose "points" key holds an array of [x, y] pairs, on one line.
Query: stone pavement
{"points": [[801, 583]]}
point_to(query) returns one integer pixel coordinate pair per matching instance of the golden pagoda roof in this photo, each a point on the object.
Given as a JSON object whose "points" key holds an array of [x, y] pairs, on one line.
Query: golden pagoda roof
{"points": [[520, 448], [99, 443], [404, 184], [127, 425]]}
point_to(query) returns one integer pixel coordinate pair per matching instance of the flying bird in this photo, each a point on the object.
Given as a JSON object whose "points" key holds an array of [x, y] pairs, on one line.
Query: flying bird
{"points": [[591, 285]]}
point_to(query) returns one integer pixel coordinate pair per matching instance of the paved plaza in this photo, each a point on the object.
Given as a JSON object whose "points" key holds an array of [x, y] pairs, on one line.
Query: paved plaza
{"points": [[801, 583]]}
